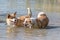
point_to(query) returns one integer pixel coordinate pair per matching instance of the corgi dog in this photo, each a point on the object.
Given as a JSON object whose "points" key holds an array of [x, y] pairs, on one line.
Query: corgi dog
{"points": [[43, 18], [41, 21], [32, 22], [11, 19], [22, 18]]}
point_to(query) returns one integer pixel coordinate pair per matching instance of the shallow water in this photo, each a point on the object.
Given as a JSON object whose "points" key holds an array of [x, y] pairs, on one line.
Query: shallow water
{"points": [[52, 32]]}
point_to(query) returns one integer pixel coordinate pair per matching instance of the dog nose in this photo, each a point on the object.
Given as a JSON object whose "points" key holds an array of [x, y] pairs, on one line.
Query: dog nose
{"points": [[15, 20], [26, 24]]}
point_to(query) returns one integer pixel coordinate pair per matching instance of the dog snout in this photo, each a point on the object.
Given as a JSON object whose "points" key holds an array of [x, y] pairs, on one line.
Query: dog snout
{"points": [[15, 20], [26, 24]]}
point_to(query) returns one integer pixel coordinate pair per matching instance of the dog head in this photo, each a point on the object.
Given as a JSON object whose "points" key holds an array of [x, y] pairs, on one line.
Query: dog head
{"points": [[11, 19], [27, 22]]}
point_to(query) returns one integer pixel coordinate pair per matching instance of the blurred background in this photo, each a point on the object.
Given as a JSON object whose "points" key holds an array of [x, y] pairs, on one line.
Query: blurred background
{"points": [[20, 6]]}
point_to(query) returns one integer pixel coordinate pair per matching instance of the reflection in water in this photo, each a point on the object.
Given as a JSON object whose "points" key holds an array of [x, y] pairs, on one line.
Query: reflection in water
{"points": [[35, 32], [25, 33], [12, 32]]}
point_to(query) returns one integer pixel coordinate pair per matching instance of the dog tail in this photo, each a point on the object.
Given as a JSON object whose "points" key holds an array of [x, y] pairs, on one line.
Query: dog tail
{"points": [[29, 12]]}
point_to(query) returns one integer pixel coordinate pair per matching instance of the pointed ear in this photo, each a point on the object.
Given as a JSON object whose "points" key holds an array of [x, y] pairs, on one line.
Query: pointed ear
{"points": [[15, 13], [8, 16]]}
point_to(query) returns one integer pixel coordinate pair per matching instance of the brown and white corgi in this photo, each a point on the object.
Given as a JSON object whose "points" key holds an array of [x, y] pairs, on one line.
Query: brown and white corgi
{"points": [[44, 19], [22, 18], [32, 22], [11, 19], [41, 21]]}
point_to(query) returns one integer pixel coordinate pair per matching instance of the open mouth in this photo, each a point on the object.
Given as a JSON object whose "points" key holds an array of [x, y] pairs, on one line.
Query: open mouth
{"points": [[28, 25], [15, 22]]}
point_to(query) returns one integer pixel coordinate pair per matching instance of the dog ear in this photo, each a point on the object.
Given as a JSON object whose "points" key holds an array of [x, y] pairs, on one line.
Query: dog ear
{"points": [[8, 15], [15, 13]]}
